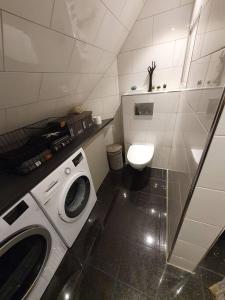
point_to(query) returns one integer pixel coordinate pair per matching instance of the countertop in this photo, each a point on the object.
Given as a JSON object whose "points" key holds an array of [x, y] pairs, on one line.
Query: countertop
{"points": [[13, 187]]}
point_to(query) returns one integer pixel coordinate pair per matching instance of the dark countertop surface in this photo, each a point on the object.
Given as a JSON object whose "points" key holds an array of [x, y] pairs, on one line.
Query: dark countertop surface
{"points": [[13, 187]]}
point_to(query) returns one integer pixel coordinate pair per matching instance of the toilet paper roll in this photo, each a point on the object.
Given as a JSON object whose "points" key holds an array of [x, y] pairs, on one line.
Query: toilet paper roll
{"points": [[97, 120]]}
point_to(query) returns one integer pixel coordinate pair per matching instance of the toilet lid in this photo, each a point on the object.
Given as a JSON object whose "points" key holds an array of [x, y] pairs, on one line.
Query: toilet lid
{"points": [[140, 154]]}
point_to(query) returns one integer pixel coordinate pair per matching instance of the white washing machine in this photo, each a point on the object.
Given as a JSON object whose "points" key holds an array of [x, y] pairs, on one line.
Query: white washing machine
{"points": [[67, 196], [30, 251]]}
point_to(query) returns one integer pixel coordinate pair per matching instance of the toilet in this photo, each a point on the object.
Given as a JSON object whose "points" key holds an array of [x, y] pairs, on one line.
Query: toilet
{"points": [[140, 155]]}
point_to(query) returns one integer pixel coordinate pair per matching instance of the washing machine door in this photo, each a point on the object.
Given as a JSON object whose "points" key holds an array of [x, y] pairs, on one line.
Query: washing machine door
{"points": [[76, 197], [22, 259]]}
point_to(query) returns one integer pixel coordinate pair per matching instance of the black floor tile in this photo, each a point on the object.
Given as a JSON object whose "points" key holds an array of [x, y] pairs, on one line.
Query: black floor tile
{"points": [[96, 285], [208, 279], [124, 292], [215, 259], [140, 267]]}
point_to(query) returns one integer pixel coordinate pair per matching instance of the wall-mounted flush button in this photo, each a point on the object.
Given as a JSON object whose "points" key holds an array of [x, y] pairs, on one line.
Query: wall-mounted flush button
{"points": [[67, 171], [144, 109]]}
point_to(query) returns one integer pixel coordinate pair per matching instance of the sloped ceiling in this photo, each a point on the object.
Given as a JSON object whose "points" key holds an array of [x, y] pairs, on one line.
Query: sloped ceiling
{"points": [[54, 52]]}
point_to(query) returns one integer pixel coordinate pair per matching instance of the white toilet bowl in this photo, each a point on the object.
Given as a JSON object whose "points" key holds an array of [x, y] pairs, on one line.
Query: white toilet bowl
{"points": [[139, 156]]}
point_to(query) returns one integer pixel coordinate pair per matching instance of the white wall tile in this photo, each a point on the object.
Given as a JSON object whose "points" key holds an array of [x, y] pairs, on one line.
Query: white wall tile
{"points": [[106, 87], [182, 263], [1, 49], [215, 75], [78, 18], [179, 52], [221, 126], [207, 206], [113, 69], [85, 58], [125, 62], [189, 251], [127, 81], [37, 49], [87, 82], [19, 88], [198, 71], [36, 11], [140, 36], [197, 233], [154, 7], [169, 76], [108, 41], [58, 85], [172, 25], [130, 12], [216, 19], [116, 6], [213, 172]]}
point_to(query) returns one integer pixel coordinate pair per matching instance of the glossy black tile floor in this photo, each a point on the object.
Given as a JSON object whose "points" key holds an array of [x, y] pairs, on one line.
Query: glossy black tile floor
{"points": [[128, 261]]}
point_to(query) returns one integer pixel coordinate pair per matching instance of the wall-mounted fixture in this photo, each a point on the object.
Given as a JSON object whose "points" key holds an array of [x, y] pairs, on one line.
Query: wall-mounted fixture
{"points": [[143, 109]]}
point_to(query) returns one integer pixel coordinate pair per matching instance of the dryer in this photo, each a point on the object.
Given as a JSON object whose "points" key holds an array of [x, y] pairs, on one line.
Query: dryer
{"points": [[67, 196], [30, 251]]}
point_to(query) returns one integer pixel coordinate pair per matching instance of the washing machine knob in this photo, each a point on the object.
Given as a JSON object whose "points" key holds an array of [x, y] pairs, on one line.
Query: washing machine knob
{"points": [[67, 171]]}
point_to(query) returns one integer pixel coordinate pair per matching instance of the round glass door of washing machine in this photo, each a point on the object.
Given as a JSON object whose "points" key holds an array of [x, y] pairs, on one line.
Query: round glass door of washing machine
{"points": [[22, 258], [77, 197]]}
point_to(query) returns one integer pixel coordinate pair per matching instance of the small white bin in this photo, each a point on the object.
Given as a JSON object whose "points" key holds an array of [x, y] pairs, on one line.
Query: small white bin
{"points": [[114, 153]]}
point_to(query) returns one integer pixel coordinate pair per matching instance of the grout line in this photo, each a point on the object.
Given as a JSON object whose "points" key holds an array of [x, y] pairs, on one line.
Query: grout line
{"points": [[56, 31], [166, 11], [212, 271], [3, 46], [211, 53], [53, 9], [39, 90], [115, 16]]}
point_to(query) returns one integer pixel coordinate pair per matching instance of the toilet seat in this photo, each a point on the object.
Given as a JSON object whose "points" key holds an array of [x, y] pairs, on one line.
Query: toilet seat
{"points": [[140, 154]]}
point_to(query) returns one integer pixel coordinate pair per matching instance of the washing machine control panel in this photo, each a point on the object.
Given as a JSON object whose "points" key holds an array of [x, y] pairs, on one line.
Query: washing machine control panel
{"points": [[77, 159]]}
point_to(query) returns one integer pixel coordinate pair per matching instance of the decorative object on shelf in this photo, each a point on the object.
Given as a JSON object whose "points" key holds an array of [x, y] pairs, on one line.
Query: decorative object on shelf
{"points": [[158, 87], [150, 71], [165, 85], [133, 88], [153, 88], [199, 82]]}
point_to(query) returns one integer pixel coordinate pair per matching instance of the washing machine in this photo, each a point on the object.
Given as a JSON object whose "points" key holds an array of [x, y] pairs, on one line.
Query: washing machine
{"points": [[67, 196], [30, 251]]}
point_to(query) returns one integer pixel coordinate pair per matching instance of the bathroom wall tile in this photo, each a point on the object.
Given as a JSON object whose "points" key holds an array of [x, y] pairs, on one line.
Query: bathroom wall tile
{"points": [[165, 103], [113, 69], [87, 82], [213, 172], [37, 49], [197, 72], [213, 41], [197, 233], [169, 76], [183, 2], [1, 49], [215, 75], [216, 19], [125, 62], [182, 263], [36, 11], [58, 85], [79, 98], [221, 126], [161, 157], [106, 60], [138, 79], [106, 87], [107, 41], [162, 54], [135, 39], [110, 105], [115, 6], [85, 58], [204, 204], [189, 251], [130, 12], [95, 106], [154, 7], [19, 88], [179, 52], [2, 121], [78, 18], [172, 25]]}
